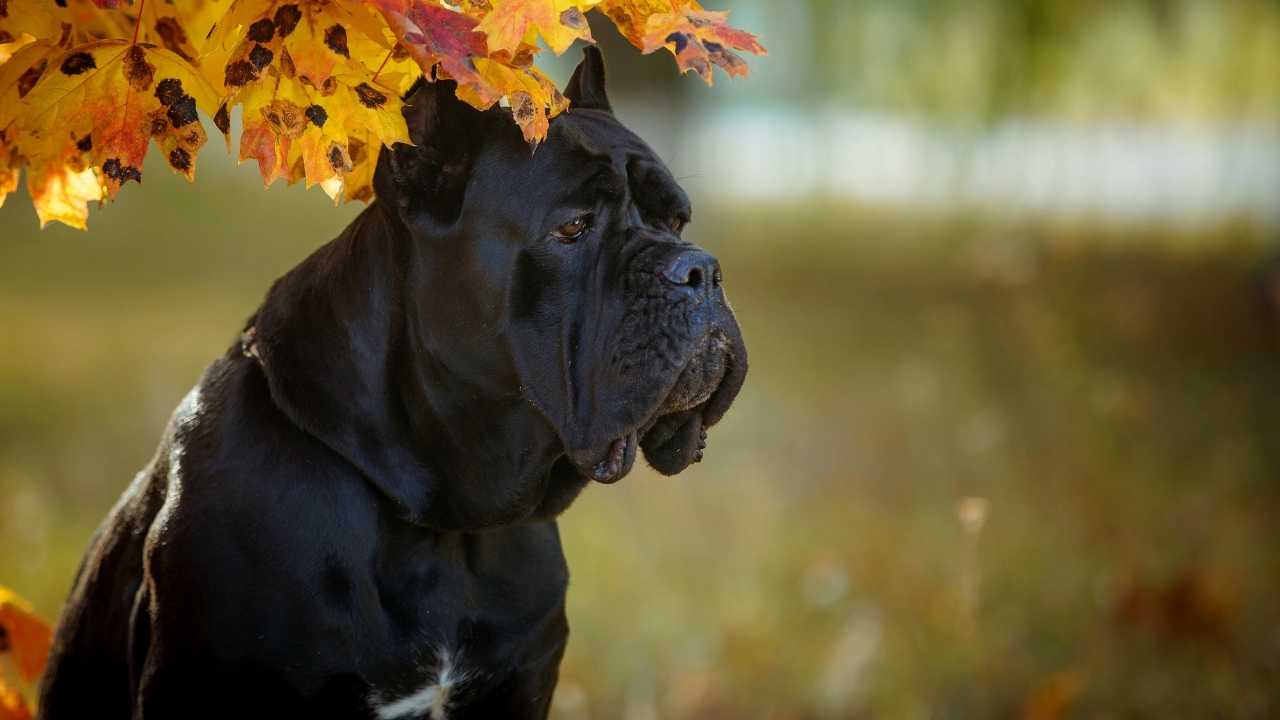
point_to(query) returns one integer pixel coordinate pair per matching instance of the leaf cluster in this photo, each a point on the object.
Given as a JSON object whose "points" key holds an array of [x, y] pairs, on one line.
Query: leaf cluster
{"points": [[87, 86]]}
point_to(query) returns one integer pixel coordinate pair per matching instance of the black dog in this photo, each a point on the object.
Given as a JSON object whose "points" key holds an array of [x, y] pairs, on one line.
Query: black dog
{"points": [[353, 513]]}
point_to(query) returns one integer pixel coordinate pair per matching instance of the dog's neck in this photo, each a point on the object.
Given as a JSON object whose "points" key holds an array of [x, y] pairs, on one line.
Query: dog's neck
{"points": [[346, 347]]}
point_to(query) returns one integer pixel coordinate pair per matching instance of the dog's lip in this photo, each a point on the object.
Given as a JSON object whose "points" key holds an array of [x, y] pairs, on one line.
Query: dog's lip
{"points": [[617, 460]]}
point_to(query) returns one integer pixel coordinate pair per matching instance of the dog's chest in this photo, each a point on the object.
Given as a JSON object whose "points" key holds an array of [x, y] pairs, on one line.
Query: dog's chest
{"points": [[468, 618], [435, 695]]}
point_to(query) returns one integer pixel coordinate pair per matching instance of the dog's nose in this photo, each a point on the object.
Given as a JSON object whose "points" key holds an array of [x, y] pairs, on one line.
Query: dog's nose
{"points": [[694, 269]]}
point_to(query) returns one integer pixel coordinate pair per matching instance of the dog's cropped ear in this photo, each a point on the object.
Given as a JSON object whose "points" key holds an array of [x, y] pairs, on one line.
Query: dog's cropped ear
{"points": [[586, 88], [427, 180]]}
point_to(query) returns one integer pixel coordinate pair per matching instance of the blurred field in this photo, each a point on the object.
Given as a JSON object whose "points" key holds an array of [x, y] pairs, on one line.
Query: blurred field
{"points": [[979, 469]]}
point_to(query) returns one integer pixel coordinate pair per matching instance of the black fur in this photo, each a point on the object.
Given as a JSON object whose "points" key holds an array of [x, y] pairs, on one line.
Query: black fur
{"points": [[367, 482]]}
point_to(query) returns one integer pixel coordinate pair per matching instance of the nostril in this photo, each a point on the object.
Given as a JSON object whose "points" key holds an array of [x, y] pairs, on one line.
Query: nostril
{"points": [[692, 269]]}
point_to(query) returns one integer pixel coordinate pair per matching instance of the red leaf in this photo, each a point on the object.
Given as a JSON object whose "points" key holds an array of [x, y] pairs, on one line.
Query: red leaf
{"points": [[433, 34]]}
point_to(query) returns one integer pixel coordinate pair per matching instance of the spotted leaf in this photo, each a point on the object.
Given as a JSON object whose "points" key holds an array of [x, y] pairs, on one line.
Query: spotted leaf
{"points": [[632, 16], [558, 22], [699, 40], [108, 101], [88, 86]]}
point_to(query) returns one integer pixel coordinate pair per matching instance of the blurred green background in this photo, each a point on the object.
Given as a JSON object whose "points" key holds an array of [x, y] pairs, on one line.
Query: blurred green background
{"points": [[1008, 446]]}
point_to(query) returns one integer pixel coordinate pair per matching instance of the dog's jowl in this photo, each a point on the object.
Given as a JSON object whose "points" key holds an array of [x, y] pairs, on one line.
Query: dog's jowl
{"points": [[353, 513]]}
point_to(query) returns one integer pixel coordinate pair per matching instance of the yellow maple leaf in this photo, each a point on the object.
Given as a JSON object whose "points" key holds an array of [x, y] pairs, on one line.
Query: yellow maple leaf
{"points": [[260, 139], [24, 21], [372, 117], [558, 22], [357, 183], [295, 132], [631, 16], [180, 27], [82, 21], [61, 188], [309, 39], [60, 181], [18, 76], [533, 98], [312, 107], [112, 98]]}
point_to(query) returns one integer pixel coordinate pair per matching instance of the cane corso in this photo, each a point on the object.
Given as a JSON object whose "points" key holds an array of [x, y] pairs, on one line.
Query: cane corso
{"points": [[353, 514]]}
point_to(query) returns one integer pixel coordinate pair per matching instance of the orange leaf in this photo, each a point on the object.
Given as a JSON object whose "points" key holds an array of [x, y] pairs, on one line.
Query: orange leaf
{"points": [[12, 706], [24, 635], [533, 98], [631, 16], [559, 22], [700, 39]]}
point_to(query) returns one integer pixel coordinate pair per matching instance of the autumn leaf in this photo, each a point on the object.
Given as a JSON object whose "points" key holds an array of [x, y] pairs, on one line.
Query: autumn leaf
{"points": [[23, 635], [111, 98], [297, 133], [62, 186], [10, 168], [310, 101], [12, 706], [435, 35], [25, 20], [60, 182], [533, 98], [26, 639], [18, 76], [632, 16], [558, 22], [309, 40], [700, 39], [83, 21], [179, 27]]}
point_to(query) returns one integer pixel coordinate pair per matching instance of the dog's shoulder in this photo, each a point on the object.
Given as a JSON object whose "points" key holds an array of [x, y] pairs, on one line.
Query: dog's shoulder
{"points": [[235, 460], [256, 515]]}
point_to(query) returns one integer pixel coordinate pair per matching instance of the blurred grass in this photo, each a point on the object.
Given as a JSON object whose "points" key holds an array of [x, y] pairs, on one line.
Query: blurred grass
{"points": [[1108, 394]]}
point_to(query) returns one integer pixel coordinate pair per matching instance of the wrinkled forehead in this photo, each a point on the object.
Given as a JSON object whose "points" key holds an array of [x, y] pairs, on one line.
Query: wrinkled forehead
{"points": [[597, 132], [591, 148]]}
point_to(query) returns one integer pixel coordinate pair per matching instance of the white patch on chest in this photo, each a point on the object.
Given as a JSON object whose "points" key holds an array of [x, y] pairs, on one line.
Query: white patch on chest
{"points": [[432, 699]]}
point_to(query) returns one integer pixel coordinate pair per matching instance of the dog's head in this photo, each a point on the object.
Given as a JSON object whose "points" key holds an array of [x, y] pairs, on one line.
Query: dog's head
{"points": [[545, 310]]}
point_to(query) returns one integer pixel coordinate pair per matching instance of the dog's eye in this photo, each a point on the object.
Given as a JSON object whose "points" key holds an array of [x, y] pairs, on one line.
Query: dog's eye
{"points": [[573, 230]]}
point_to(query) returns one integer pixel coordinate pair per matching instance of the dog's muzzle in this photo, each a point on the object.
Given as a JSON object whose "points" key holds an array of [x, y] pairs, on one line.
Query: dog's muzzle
{"points": [[700, 388]]}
